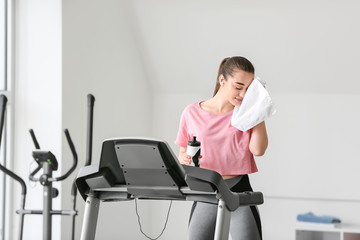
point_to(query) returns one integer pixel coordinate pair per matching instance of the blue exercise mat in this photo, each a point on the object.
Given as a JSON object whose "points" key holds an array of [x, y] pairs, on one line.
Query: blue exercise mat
{"points": [[310, 217]]}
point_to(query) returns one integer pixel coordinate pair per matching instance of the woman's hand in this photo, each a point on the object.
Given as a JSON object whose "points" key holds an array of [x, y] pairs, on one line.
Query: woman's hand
{"points": [[184, 158]]}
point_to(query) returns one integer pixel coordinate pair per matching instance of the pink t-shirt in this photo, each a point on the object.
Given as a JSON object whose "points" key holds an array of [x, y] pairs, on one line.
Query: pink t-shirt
{"points": [[224, 148]]}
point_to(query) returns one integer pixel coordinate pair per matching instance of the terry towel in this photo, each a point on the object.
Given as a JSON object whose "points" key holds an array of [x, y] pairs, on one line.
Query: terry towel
{"points": [[255, 107], [310, 217]]}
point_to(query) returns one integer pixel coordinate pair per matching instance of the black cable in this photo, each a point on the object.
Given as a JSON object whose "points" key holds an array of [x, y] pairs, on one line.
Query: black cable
{"points": [[138, 216]]}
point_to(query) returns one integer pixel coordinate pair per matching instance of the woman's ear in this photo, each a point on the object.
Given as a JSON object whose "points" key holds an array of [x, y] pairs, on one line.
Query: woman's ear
{"points": [[221, 80]]}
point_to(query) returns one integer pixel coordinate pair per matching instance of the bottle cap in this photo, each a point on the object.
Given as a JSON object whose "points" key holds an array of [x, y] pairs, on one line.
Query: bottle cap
{"points": [[194, 143]]}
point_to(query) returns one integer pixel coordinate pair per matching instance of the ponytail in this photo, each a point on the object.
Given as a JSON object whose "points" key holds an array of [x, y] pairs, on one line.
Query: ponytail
{"points": [[217, 85]]}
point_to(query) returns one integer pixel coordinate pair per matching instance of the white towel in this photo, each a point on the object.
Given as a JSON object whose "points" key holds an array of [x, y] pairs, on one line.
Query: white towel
{"points": [[255, 107]]}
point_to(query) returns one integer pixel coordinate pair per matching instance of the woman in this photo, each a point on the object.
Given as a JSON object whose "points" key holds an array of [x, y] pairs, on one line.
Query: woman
{"points": [[224, 149]]}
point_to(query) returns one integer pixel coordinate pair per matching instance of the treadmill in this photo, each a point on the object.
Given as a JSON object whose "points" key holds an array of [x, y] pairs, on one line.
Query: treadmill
{"points": [[145, 168]]}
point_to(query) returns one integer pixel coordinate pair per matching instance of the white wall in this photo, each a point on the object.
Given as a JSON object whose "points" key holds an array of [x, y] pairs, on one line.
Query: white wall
{"points": [[100, 56], [37, 102]]}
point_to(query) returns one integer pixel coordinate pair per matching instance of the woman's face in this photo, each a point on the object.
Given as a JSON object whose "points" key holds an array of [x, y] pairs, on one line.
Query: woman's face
{"points": [[235, 87]]}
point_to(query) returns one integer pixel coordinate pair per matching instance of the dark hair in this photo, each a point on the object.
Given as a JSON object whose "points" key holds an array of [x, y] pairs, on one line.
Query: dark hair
{"points": [[230, 65]]}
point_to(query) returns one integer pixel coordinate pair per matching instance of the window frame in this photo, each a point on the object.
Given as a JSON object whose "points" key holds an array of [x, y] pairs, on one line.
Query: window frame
{"points": [[6, 149]]}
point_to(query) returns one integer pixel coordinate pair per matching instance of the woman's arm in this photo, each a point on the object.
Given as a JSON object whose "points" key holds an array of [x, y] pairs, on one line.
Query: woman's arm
{"points": [[259, 140]]}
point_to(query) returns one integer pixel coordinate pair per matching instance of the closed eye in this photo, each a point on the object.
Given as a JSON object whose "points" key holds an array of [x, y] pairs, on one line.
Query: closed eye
{"points": [[239, 85]]}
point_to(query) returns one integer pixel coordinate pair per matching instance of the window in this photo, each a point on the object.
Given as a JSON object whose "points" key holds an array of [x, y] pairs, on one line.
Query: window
{"points": [[3, 45], [4, 81]]}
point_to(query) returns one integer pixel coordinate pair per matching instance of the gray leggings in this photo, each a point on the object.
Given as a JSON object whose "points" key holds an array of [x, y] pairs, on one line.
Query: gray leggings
{"points": [[245, 221]]}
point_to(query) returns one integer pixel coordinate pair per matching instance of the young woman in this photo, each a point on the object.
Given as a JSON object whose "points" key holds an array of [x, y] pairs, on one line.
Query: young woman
{"points": [[224, 149]]}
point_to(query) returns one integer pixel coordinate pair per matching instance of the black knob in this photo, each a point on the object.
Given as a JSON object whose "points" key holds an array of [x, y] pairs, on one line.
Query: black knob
{"points": [[55, 193], [44, 179]]}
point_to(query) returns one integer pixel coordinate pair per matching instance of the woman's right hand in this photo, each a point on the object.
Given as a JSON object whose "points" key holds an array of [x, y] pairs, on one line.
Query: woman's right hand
{"points": [[183, 157]]}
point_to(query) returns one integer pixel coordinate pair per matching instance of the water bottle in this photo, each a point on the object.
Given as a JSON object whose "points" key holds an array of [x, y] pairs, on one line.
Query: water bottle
{"points": [[193, 150]]}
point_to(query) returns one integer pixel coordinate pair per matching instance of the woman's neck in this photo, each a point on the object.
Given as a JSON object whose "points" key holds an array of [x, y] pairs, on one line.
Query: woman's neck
{"points": [[217, 105]]}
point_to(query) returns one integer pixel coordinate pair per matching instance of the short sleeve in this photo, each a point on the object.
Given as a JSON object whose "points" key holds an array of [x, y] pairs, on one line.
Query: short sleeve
{"points": [[182, 136]]}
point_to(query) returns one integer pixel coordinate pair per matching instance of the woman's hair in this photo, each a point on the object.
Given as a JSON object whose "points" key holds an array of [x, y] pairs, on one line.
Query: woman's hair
{"points": [[230, 65]]}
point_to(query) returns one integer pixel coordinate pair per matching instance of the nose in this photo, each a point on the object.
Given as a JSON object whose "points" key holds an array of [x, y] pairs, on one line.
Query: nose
{"points": [[242, 93]]}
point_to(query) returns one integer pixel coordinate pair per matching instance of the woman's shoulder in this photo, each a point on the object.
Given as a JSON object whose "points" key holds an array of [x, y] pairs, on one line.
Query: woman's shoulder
{"points": [[192, 107]]}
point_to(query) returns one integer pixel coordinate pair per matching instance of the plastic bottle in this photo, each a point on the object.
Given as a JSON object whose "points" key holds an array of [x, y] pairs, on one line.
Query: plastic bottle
{"points": [[193, 150]]}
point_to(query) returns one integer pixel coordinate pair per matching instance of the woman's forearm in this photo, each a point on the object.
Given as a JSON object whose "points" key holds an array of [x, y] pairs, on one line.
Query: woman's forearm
{"points": [[259, 140]]}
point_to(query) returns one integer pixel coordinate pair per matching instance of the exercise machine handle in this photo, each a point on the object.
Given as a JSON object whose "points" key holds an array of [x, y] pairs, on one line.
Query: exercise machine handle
{"points": [[91, 101], [75, 158], [36, 143], [37, 146], [250, 198], [3, 102]]}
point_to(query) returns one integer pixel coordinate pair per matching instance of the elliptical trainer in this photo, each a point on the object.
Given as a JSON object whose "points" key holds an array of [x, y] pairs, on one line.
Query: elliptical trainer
{"points": [[47, 162]]}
